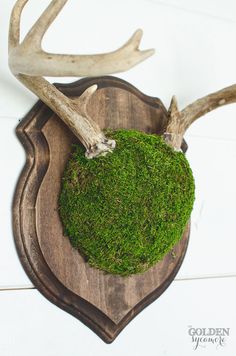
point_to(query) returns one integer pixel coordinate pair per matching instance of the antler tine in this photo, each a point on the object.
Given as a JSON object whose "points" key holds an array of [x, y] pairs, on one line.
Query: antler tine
{"points": [[208, 103], [35, 35], [180, 121], [30, 59], [37, 62], [14, 30]]}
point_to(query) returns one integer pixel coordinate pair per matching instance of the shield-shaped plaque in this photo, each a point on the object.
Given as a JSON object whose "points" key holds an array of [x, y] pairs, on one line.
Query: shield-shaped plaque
{"points": [[105, 303]]}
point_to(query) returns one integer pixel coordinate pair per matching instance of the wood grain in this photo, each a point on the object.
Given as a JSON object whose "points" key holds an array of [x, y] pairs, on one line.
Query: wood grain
{"points": [[104, 302]]}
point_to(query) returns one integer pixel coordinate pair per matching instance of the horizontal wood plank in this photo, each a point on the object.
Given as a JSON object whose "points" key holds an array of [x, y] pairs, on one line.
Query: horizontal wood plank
{"points": [[27, 320]]}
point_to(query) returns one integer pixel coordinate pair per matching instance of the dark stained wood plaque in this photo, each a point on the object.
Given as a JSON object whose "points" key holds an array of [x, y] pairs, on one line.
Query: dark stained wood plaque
{"points": [[105, 303]]}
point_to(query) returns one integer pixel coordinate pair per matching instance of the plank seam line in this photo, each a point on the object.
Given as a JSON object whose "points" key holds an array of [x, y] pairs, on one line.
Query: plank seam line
{"points": [[205, 277], [18, 288]]}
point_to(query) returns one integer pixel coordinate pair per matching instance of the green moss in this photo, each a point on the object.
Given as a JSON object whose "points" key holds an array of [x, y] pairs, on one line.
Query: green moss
{"points": [[126, 210]]}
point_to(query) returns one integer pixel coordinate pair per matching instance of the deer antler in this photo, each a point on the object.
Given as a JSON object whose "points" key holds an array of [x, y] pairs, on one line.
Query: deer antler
{"points": [[29, 63], [179, 121]]}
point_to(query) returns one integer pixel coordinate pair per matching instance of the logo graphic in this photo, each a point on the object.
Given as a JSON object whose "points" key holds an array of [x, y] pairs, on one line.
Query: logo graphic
{"points": [[201, 337]]}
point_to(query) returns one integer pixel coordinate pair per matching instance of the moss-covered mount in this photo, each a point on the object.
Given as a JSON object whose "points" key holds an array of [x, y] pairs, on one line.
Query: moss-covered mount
{"points": [[126, 210]]}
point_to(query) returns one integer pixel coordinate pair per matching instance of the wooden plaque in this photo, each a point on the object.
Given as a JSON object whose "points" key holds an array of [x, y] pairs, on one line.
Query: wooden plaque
{"points": [[104, 302]]}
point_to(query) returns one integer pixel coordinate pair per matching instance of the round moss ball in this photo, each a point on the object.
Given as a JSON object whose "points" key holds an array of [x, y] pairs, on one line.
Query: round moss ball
{"points": [[126, 210]]}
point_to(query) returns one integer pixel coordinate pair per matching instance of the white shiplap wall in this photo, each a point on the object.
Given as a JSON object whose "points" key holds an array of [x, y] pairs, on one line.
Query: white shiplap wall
{"points": [[195, 55]]}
